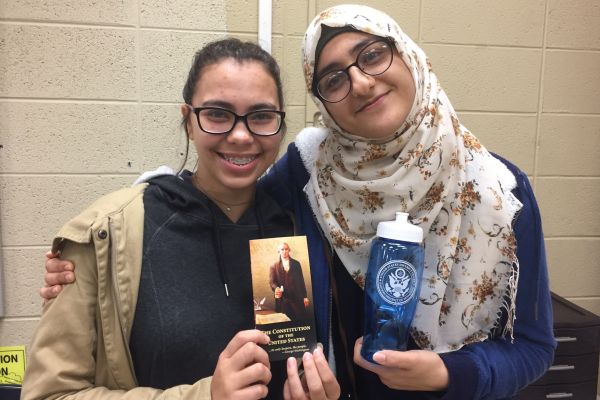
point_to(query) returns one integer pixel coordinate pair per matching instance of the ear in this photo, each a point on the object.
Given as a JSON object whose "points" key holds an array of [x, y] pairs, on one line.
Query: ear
{"points": [[185, 113], [185, 110]]}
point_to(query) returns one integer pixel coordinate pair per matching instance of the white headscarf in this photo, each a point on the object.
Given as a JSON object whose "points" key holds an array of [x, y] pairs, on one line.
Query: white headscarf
{"points": [[437, 171]]}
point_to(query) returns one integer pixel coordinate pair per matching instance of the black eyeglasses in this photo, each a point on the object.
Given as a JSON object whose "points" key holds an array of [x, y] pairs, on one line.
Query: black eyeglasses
{"points": [[374, 59], [219, 121]]}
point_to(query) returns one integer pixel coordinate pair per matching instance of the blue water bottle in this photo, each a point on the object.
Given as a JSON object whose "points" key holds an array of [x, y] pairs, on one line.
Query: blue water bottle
{"points": [[392, 285]]}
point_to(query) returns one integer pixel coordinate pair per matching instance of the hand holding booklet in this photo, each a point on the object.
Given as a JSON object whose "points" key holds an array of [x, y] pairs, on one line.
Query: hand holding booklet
{"points": [[282, 291]]}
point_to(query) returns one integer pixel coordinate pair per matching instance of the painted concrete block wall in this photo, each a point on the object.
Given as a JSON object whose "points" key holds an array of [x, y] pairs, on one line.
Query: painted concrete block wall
{"points": [[90, 93]]}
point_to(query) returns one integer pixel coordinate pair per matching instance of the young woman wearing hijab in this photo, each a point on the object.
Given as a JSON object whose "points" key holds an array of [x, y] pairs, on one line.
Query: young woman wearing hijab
{"points": [[162, 304], [391, 142]]}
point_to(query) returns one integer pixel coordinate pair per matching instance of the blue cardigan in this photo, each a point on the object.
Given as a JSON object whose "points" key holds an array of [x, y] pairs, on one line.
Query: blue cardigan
{"points": [[493, 369]]}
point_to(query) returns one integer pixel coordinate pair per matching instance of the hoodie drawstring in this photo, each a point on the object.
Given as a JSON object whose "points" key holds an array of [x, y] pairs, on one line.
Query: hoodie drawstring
{"points": [[223, 273], [219, 250]]}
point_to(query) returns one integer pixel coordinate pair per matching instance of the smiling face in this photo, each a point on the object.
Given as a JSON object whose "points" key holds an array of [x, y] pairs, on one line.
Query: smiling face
{"points": [[230, 164], [377, 105]]}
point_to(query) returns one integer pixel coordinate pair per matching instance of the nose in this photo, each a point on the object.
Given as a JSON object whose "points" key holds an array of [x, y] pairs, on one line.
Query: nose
{"points": [[240, 133], [361, 82]]}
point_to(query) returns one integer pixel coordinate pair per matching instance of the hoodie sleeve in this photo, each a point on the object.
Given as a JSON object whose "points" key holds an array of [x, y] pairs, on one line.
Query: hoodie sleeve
{"points": [[499, 368]]}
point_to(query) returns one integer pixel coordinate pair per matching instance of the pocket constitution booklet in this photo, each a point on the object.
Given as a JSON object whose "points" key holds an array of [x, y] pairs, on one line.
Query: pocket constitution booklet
{"points": [[282, 292]]}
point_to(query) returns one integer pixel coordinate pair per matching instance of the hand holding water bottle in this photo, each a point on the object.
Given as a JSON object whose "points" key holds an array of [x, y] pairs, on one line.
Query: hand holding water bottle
{"points": [[392, 285], [406, 370]]}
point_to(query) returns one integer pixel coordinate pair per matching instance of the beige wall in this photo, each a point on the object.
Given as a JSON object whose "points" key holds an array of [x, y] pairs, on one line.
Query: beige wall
{"points": [[89, 96]]}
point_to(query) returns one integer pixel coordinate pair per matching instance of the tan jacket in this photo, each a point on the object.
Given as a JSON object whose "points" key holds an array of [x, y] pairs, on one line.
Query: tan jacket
{"points": [[80, 348]]}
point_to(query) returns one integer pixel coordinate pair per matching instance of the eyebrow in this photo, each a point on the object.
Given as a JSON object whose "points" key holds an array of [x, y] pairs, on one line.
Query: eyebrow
{"points": [[229, 106], [353, 52]]}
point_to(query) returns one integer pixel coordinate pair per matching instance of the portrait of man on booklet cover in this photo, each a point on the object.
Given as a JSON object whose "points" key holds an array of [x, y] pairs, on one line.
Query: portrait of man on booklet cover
{"points": [[287, 283]]}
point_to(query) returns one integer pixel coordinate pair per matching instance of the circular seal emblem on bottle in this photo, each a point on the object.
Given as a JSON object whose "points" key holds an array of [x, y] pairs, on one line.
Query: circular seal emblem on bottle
{"points": [[396, 282]]}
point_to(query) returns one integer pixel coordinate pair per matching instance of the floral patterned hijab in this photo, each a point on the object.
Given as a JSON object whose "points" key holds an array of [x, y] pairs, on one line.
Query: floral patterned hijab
{"points": [[437, 171]]}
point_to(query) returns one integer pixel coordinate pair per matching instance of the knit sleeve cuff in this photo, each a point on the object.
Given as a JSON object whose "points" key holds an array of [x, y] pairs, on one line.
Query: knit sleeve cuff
{"points": [[463, 375]]}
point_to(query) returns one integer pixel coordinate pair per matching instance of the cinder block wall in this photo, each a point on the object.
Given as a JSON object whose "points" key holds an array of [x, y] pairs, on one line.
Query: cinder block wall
{"points": [[89, 95]]}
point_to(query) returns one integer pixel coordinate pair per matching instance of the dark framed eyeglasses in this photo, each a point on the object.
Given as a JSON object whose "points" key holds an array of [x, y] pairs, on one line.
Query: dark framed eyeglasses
{"points": [[220, 121], [374, 59]]}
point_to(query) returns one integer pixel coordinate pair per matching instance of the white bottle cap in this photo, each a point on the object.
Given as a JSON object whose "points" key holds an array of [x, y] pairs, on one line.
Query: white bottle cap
{"points": [[400, 229]]}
